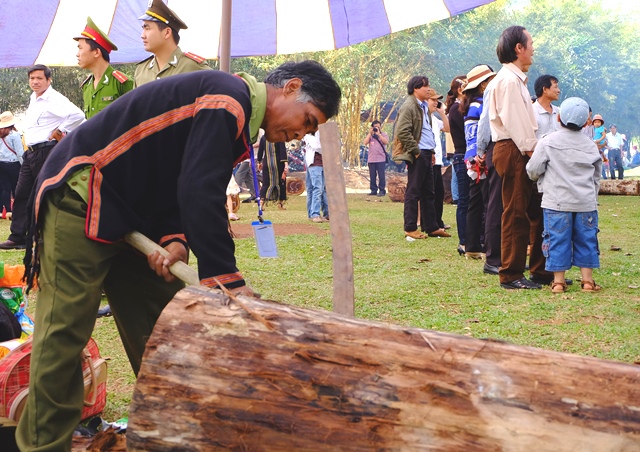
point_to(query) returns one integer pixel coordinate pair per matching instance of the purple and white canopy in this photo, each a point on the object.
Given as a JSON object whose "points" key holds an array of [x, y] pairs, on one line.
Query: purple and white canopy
{"points": [[41, 31]]}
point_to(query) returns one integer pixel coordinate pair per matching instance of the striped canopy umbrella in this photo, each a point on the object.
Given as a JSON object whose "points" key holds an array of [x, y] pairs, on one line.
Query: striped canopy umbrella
{"points": [[41, 31]]}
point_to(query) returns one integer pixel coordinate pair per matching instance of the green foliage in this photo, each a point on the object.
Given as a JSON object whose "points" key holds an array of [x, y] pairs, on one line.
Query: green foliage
{"points": [[595, 54]]}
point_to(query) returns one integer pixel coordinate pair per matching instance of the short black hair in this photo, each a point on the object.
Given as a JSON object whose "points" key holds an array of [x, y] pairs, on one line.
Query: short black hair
{"points": [[40, 67], [416, 82], [375, 122], [174, 32], [94, 45], [318, 85], [572, 126], [542, 82], [509, 38]]}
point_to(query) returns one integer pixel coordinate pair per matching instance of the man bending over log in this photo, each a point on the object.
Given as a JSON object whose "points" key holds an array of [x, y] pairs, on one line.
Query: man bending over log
{"points": [[158, 161]]}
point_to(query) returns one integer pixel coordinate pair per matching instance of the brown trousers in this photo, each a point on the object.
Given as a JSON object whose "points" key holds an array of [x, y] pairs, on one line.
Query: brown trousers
{"points": [[517, 194]]}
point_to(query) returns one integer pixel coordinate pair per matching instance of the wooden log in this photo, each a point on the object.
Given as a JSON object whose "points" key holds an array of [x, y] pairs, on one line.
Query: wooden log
{"points": [[296, 184], [620, 187], [250, 374], [396, 186]]}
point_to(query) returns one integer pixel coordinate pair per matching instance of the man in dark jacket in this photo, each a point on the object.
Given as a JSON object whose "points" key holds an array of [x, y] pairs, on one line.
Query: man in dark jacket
{"points": [[415, 144], [158, 161]]}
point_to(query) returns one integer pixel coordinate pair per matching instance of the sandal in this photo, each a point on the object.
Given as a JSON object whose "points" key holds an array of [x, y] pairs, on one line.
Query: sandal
{"points": [[472, 255], [590, 286], [558, 287]]}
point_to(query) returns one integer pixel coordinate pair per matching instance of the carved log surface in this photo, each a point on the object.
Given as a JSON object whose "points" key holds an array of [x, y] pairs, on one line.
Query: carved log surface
{"points": [[396, 186], [620, 187], [266, 376]]}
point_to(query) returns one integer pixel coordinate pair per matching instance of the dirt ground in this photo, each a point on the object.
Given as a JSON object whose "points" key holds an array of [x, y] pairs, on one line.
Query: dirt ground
{"points": [[243, 231]]}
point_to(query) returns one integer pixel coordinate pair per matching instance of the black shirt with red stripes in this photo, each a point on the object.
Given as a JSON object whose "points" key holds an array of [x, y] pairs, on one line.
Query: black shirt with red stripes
{"points": [[161, 157]]}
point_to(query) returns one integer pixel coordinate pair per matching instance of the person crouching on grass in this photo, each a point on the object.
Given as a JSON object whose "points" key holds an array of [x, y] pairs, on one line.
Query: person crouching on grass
{"points": [[567, 166]]}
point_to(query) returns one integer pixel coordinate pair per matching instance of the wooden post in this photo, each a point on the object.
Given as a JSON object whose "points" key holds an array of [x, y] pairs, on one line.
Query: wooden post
{"points": [[227, 373], [343, 289]]}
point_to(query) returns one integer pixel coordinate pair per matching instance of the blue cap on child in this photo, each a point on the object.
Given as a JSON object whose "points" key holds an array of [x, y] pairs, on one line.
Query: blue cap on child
{"points": [[574, 110]]}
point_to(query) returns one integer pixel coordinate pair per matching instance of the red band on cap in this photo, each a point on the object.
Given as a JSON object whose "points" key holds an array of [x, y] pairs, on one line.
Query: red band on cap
{"points": [[95, 36]]}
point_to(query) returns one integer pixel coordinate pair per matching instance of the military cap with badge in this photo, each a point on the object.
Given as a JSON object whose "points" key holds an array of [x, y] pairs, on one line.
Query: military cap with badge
{"points": [[159, 12]]}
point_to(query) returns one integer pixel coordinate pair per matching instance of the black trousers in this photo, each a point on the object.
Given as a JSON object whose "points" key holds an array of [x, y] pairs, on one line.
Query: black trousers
{"points": [[420, 187], [493, 215], [31, 166], [438, 187], [478, 200], [8, 180]]}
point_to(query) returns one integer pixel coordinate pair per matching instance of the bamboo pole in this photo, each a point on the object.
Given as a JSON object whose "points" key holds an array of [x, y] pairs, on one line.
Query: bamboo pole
{"points": [[147, 247]]}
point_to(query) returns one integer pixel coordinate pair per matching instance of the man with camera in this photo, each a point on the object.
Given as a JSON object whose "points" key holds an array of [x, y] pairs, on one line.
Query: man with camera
{"points": [[377, 141]]}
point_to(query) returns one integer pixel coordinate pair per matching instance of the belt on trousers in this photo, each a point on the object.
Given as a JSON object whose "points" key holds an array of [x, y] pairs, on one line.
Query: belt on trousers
{"points": [[428, 150], [44, 144]]}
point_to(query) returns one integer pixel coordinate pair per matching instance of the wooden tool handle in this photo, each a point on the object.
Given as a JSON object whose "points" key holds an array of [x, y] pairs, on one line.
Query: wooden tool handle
{"points": [[147, 246]]}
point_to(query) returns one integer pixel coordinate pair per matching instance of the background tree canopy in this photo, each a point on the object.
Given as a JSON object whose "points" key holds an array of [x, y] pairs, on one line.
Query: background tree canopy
{"points": [[594, 54]]}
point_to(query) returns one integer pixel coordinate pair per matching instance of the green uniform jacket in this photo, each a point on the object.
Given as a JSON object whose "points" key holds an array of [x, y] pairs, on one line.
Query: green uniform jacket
{"points": [[113, 85], [179, 63], [408, 130]]}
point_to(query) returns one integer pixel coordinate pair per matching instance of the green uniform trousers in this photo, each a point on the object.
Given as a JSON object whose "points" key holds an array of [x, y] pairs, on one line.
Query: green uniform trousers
{"points": [[74, 271]]}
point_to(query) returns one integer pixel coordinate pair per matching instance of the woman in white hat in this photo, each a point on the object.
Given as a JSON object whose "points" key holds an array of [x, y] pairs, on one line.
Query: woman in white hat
{"points": [[11, 151], [471, 108]]}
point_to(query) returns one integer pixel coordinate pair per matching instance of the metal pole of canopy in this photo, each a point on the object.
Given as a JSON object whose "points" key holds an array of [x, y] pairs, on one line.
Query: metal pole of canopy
{"points": [[225, 36]]}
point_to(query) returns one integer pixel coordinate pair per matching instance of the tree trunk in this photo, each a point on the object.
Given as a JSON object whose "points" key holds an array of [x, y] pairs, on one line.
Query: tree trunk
{"points": [[620, 187], [251, 374]]}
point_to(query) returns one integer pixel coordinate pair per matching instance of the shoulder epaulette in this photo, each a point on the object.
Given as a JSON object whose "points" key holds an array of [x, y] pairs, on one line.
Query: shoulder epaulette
{"points": [[86, 80], [145, 60], [119, 76], [197, 58]]}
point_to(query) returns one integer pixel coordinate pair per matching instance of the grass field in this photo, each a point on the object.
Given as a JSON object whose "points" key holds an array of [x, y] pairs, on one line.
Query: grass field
{"points": [[426, 284]]}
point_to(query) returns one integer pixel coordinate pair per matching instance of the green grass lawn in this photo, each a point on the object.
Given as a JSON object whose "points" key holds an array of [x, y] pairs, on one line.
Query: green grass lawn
{"points": [[426, 284]]}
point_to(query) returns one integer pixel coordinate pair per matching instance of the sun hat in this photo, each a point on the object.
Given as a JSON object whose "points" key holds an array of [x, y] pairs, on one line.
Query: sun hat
{"points": [[478, 75], [574, 110], [7, 120], [598, 118], [433, 94]]}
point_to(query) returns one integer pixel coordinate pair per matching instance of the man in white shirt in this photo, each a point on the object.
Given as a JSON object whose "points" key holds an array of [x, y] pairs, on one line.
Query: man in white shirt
{"points": [[615, 142], [316, 190], [49, 117], [547, 91], [513, 129]]}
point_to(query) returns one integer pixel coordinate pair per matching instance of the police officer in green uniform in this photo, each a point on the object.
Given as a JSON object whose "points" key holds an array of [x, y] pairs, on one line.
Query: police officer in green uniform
{"points": [[160, 36], [105, 84]]}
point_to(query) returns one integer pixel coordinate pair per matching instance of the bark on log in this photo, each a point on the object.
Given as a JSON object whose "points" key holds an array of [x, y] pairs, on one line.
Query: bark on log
{"points": [[620, 187], [257, 375], [396, 186]]}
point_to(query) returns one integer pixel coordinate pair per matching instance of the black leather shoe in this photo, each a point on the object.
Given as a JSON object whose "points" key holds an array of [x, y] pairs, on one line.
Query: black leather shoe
{"points": [[11, 245], [490, 269], [252, 198], [547, 281], [522, 283]]}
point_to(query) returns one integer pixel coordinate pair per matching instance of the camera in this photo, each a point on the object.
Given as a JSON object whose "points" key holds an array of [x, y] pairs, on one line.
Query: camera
{"points": [[375, 130]]}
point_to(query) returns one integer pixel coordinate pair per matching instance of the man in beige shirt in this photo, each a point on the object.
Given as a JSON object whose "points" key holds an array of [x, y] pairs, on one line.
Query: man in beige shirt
{"points": [[513, 129]]}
